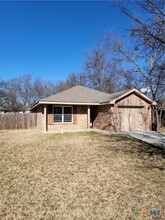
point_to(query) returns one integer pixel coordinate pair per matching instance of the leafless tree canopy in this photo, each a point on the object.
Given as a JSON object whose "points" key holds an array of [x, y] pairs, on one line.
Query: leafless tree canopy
{"points": [[111, 65], [21, 93], [150, 31]]}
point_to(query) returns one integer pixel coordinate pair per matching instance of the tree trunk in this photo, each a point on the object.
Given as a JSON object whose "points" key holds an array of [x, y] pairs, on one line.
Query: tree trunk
{"points": [[160, 118], [157, 118]]}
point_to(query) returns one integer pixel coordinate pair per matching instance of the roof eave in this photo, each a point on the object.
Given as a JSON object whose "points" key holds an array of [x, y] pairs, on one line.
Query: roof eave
{"points": [[154, 103], [35, 105], [67, 103]]}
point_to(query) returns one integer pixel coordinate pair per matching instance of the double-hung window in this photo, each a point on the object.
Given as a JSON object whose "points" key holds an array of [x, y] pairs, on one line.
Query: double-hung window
{"points": [[62, 114]]}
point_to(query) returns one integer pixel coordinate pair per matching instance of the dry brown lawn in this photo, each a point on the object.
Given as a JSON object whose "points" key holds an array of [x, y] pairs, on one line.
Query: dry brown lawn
{"points": [[78, 176], [161, 130]]}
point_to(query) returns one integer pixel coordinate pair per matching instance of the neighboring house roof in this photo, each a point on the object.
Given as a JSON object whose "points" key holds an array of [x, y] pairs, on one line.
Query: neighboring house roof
{"points": [[86, 96]]}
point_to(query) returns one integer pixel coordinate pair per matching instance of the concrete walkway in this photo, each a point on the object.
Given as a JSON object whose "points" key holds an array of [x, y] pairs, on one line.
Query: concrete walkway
{"points": [[150, 137]]}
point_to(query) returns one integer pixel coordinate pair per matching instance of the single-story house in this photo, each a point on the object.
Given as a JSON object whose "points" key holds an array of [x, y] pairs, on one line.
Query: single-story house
{"points": [[80, 108]]}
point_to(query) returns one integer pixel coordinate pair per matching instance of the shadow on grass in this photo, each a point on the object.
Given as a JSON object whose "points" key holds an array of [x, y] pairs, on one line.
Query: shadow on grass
{"points": [[138, 148], [132, 145]]}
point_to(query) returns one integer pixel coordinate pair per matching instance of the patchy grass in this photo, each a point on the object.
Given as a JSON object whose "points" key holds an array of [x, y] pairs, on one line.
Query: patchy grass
{"points": [[81, 176]]}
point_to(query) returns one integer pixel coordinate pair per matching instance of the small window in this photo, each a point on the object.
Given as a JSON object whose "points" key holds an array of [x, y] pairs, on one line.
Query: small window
{"points": [[57, 110], [67, 114], [62, 114], [67, 110], [57, 114]]}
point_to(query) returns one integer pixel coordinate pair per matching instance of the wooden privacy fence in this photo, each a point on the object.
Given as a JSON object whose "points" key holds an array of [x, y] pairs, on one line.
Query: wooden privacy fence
{"points": [[18, 121]]}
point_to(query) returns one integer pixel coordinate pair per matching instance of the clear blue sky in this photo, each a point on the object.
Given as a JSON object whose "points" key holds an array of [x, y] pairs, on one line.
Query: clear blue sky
{"points": [[48, 39]]}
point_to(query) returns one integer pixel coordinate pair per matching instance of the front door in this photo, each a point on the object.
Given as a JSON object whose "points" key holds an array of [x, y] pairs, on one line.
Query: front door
{"points": [[93, 114]]}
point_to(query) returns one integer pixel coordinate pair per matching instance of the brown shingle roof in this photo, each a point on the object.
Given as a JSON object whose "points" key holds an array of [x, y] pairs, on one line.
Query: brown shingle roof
{"points": [[81, 94]]}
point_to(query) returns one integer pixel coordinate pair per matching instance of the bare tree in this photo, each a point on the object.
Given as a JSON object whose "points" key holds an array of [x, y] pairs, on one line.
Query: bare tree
{"points": [[159, 112], [26, 89], [144, 66], [129, 79], [2, 92], [101, 70], [14, 101], [149, 31], [76, 78], [73, 79], [22, 92], [146, 55], [42, 89]]}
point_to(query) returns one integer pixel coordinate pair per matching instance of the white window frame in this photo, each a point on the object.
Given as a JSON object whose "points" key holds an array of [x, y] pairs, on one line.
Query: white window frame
{"points": [[63, 106]]}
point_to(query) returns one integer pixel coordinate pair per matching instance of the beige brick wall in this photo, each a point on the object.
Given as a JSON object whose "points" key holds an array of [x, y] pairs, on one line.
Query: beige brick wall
{"points": [[81, 122], [105, 118]]}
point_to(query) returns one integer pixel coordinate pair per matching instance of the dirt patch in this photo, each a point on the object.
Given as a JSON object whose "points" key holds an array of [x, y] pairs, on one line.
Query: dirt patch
{"points": [[78, 176]]}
